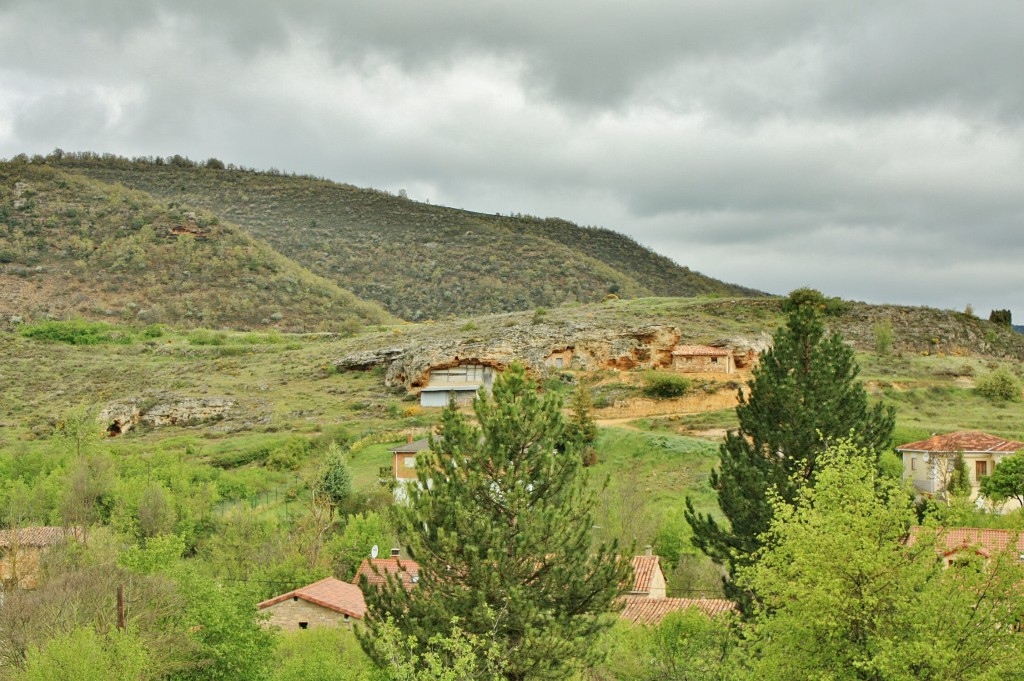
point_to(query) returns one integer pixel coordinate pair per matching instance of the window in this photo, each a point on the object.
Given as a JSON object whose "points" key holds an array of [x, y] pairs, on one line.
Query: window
{"points": [[714, 360], [980, 469], [303, 625], [410, 462], [913, 463]]}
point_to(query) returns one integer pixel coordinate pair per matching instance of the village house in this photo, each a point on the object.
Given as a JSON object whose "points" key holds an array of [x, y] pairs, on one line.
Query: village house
{"points": [[22, 550], [702, 359], [327, 603], [403, 460], [377, 570], [648, 578], [459, 383], [651, 611], [928, 463], [952, 542]]}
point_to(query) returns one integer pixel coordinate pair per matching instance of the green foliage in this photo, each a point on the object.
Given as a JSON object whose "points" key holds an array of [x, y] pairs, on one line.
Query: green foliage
{"points": [[352, 545], [75, 332], [1006, 481], [999, 386], [500, 524], [84, 655], [1001, 317], [456, 656], [811, 298], [883, 337], [231, 644], [334, 480], [659, 384], [804, 396], [322, 654], [581, 427], [959, 484], [842, 596], [685, 645]]}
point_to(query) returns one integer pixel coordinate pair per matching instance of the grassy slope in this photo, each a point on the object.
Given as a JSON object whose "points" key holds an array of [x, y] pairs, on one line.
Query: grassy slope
{"points": [[73, 246], [419, 261]]}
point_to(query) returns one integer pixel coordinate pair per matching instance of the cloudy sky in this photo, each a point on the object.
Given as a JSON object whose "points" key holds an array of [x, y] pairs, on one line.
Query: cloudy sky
{"points": [[873, 149]]}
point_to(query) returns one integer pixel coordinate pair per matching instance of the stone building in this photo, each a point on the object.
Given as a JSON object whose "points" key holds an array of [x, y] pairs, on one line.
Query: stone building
{"points": [[702, 359], [327, 603], [22, 550]]}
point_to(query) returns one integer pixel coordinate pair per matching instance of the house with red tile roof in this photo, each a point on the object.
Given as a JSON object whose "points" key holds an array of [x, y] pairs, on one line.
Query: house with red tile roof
{"points": [[651, 611], [22, 549], [951, 542], [648, 578], [928, 463], [327, 603], [702, 359], [377, 570]]}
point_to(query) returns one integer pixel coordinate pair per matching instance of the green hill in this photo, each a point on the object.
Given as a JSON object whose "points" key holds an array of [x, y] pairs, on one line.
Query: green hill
{"points": [[75, 247], [418, 260]]}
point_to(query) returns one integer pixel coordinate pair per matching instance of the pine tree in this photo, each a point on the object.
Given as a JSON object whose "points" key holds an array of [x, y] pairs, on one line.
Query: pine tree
{"points": [[500, 524], [804, 395]]}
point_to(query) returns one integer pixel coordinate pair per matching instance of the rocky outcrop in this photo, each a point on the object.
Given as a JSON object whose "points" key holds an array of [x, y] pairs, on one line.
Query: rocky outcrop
{"points": [[568, 345], [163, 410]]}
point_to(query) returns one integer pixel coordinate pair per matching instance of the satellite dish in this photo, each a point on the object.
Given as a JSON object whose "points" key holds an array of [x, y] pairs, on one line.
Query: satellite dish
{"points": [[374, 551], [925, 457]]}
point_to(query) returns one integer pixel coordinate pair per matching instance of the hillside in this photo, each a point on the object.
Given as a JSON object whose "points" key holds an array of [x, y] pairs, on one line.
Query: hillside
{"points": [[71, 246], [418, 260]]}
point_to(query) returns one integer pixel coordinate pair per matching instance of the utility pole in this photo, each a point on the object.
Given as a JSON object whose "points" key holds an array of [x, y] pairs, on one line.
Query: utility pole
{"points": [[120, 607]]}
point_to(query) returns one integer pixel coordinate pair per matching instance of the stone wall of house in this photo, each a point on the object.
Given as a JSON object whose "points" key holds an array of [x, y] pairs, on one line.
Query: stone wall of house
{"points": [[20, 566], [702, 364], [288, 615]]}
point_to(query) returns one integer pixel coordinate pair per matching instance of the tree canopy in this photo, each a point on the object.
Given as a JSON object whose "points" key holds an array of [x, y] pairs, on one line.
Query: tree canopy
{"points": [[804, 396], [500, 524]]}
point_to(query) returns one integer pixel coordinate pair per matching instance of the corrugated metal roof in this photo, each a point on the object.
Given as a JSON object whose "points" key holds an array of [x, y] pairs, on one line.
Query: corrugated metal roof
{"points": [[451, 386]]}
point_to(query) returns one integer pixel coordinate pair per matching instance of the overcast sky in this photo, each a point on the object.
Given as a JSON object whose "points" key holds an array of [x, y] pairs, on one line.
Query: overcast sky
{"points": [[871, 149]]}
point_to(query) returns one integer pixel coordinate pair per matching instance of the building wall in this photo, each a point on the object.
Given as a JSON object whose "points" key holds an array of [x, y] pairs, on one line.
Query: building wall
{"points": [[404, 466], [657, 585], [441, 398], [930, 476], [290, 613], [20, 567], [702, 364]]}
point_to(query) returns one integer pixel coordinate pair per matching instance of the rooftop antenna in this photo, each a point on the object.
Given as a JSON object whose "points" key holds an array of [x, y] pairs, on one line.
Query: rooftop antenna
{"points": [[374, 551]]}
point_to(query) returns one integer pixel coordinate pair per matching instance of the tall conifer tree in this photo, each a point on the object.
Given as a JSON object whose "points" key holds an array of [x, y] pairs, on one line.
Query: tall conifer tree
{"points": [[500, 524], [804, 395]]}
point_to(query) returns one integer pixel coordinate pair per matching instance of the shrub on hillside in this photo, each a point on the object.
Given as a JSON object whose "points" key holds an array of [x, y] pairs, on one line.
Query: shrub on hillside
{"points": [[75, 332], [662, 385], [1000, 386]]}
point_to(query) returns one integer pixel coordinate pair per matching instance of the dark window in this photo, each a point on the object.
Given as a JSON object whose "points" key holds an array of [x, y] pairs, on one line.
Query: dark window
{"points": [[303, 625]]}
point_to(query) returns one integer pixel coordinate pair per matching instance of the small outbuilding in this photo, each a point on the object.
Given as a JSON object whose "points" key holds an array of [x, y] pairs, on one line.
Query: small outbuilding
{"points": [[327, 603], [22, 550], [702, 359], [377, 570], [459, 383]]}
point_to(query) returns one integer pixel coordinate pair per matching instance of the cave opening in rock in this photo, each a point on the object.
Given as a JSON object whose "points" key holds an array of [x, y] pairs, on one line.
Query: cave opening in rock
{"points": [[114, 429]]}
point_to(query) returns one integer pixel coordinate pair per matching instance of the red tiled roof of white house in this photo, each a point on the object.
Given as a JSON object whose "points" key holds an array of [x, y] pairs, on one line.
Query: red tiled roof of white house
{"points": [[330, 593], [699, 351], [641, 610], [963, 441], [38, 536], [983, 541], [377, 570]]}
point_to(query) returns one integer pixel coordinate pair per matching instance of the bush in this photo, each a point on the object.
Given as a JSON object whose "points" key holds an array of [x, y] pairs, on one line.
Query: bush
{"points": [[662, 385], [76, 332], [999, 386], [1001, 317]]}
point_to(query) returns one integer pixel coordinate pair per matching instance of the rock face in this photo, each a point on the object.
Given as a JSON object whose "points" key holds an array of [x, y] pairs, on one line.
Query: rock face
{"points": [[573, 345], [163, 410]]}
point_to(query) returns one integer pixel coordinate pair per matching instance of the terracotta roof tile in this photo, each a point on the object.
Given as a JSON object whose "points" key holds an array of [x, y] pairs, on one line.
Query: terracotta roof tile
{"points": [[330, 593], [641, 610], [643, 572], [962, 441], [37, 536], [377, 569], [982, 540], [699, 351]]}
